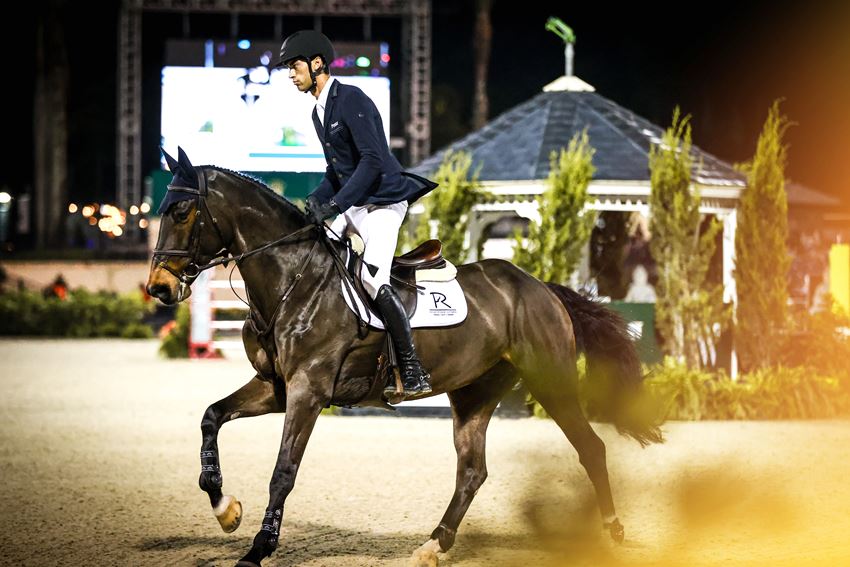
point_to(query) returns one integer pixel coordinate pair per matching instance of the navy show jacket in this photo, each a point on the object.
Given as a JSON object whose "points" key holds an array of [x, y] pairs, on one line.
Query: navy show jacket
{"points": [[361, 170]]}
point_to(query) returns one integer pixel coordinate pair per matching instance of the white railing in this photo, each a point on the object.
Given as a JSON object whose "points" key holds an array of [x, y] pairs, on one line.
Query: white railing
{"points": [[233, 345], [205, 301]]}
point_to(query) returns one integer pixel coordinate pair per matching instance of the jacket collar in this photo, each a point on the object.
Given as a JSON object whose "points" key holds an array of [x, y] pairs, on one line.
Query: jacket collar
{"points": [[322, 101], [329, 104]]}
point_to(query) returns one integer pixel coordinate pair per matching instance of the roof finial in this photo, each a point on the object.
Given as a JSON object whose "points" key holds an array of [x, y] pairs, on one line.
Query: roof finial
{"points": [[563, 31]]}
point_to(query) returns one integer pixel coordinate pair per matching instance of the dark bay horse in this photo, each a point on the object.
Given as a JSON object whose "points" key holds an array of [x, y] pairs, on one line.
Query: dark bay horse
{"points": [[518, 328]]}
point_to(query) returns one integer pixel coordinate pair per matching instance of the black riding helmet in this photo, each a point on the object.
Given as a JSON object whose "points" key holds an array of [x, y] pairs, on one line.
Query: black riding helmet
{"points": [[306, 44]]}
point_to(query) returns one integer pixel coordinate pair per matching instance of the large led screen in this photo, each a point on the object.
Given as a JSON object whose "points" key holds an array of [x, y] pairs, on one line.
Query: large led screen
{"points": [[249, 120]]}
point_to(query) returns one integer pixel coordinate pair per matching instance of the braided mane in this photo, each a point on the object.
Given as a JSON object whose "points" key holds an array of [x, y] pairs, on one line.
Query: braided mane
{"points": [[259, 184]]}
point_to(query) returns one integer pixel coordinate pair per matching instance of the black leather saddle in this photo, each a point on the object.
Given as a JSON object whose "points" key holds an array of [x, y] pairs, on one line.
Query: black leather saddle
{"points": [[426, 256]]}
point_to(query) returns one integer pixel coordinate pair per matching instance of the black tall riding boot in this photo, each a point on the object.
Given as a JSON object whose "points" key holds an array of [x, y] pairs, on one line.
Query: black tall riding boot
{"points": [[414, 379]]}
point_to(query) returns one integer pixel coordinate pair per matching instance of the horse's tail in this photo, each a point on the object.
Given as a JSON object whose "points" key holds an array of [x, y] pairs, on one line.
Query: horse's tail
{"points": [[614, 386]]}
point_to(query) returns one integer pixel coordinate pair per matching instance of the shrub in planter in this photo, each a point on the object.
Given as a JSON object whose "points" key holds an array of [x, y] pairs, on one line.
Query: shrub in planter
{"points": [[819, 341], [682, 392], [773, 393], [678, 392], [792, 393], [175, 335]]}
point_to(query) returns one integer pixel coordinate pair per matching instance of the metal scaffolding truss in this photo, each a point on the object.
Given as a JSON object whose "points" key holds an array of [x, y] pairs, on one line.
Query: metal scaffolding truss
{"points": [[287, 7], [415, 16], [129, 130]]}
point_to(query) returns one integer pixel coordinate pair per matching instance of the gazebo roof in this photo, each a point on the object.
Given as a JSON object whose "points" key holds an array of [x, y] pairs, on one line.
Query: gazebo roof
{"points": [[517, 144], [801, 195]]}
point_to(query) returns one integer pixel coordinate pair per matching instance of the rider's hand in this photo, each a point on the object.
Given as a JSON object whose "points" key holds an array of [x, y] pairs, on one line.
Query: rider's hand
{"points": [[318, 212]]}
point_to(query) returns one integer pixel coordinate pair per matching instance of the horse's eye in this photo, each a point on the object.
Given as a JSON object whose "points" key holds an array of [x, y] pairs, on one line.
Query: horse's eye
{"points": [[181, 214]]}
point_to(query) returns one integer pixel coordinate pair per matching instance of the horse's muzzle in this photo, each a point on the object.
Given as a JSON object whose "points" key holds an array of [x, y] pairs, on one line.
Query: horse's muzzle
{"points": [[161, 292], [166, 287]]}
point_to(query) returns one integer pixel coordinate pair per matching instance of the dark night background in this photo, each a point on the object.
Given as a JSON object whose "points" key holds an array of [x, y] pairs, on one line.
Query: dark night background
{"points": [[723, 63]]}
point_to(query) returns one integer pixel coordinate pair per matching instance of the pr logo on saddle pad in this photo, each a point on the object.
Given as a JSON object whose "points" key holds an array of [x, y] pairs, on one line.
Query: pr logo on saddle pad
{"points": [[439, 303], [441, 308]]}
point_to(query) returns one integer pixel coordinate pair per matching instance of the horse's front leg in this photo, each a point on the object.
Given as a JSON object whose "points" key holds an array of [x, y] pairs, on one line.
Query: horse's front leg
{"points": [[257, 397], [303, 405]]}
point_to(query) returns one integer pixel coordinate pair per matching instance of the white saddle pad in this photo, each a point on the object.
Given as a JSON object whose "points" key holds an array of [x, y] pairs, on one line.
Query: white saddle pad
{"points": [[440, 304]]}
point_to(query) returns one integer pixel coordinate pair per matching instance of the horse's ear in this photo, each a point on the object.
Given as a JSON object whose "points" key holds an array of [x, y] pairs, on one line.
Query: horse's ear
{"points": [[172, 163], [183, 160]]}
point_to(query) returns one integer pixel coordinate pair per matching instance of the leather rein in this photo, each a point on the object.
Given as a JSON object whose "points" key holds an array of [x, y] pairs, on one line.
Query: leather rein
{"points": [[193, 269]]}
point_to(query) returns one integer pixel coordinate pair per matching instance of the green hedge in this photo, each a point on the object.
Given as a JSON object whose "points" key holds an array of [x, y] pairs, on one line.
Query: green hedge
{"points": [[811, 381], [778, 393], [81, 314], [676, 392]]}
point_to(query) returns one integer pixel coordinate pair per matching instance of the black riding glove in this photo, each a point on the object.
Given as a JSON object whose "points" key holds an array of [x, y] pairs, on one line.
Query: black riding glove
{"points": [[318, 212]]}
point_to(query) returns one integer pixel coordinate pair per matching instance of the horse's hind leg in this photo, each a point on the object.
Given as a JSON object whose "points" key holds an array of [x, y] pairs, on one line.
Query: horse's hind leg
{"points": [[545, 355], [257, 397], [557, 393], [472, 408]]}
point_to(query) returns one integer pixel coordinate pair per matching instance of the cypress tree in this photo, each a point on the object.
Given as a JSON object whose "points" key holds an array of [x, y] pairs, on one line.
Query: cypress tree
{"points": [[554, 247], [450, 204], [689, 309], [762, 259]]}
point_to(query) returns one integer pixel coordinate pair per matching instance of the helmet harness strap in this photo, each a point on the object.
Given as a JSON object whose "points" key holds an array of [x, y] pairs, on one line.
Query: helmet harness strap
{"points": [[314, 85]]}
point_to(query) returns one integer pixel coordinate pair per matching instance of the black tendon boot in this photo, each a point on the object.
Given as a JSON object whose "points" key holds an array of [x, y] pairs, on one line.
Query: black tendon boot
{"points": [[414, 379]]}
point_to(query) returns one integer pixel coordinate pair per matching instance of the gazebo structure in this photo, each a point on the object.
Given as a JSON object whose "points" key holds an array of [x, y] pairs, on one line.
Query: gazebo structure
{"points": [[512, 152]]}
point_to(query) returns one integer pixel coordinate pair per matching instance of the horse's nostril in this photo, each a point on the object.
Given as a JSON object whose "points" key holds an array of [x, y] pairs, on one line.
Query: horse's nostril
{"points": [[159, 291]]}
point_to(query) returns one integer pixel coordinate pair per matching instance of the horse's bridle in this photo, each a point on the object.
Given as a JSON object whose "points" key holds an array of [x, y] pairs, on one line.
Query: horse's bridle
{"points": [[188, 274]]}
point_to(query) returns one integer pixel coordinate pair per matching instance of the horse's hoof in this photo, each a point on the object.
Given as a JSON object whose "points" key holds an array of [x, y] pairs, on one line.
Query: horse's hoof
{"points": [[615, 528], [426, 555], [228, 513]]}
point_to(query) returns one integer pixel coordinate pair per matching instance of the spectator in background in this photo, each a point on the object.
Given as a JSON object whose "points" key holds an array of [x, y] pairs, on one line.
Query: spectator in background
{"points": [[640, 290], [809, 261], [821, 297], [59, 288]]}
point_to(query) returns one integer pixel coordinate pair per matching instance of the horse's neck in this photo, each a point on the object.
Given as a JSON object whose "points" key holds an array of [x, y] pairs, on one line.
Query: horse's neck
{"points": [[258, 218]]}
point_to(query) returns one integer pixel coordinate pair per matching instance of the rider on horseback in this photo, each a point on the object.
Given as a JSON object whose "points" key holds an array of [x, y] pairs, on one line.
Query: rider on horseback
{"points": [[363, 184]]}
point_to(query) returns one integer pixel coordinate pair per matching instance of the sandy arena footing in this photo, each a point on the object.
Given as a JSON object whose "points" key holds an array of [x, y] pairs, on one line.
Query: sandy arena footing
{"points": [[99, 459]]}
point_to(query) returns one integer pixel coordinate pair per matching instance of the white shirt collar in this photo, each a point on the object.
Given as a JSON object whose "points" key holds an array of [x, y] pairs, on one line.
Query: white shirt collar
{"points": [[321, 102]]}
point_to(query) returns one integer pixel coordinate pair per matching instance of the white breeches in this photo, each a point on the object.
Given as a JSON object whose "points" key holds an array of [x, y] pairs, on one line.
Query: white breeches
{"points": [[378, 226]]}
